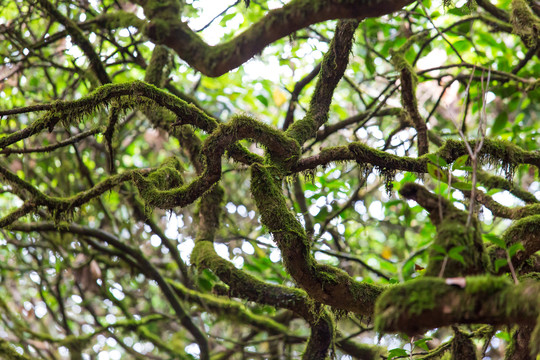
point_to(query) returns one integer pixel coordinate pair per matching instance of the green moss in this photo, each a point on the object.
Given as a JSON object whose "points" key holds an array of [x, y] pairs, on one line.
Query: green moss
{"points": [[221, 306], [486, 285], [525, 23], [504, 154], [496, 182], [535, 340], [168, 175], [407, 300], [120, 19], [452, 233], [155, 71], [521, 228]]}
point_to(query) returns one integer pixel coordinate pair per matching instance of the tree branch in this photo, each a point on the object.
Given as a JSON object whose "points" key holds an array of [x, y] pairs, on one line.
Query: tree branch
{"points": [[217, 60]]}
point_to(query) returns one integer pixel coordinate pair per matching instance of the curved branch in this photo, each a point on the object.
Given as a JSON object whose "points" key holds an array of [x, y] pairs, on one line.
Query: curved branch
{"points": [[333, 67], [281, 148], [217, 60], [326, 284]]}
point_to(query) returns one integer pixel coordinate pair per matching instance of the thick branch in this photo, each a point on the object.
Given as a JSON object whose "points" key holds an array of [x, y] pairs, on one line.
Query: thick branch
{"points": [[323, 283], [428, 303], [217, 60], [280, 147]]}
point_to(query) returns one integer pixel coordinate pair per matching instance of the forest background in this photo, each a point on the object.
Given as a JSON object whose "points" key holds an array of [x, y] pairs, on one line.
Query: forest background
{"points": [[269, 179]]}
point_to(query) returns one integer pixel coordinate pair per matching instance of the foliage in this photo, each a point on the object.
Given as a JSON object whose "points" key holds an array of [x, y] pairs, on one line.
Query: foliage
{"points": [[269, 180]]}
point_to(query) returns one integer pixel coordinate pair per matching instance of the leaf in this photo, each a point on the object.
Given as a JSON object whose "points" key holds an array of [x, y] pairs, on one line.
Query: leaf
{"points": [[227, 17], [500, 123], [462, 186], [504, 335], [512, 250], [460, 162], [279, 97], [439, 248], [436, 173], [498, 263], [370, 66], [396, 353], [495, 240], [437, 160], [262, 99], [386, 253], [421, 343], [454, 253]]}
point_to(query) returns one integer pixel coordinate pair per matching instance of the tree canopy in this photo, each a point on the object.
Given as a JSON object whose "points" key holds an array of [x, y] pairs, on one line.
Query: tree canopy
{"points": [[269, 179]]}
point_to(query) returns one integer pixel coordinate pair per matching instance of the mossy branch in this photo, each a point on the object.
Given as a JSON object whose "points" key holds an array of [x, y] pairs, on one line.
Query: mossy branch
{"points": [[332, 69], [221, 306], [503, 153], [248, 287], [217, 60], [428, 303], [326, 284], [408, 92], [452, 232], [496, 182], [280, 147], [125, 94]]}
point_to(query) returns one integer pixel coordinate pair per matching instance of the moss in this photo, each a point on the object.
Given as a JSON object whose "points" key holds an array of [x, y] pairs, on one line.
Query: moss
{"points": [[522, 227], [525, 211], [407, 300], [496, 182], [534, 276], [462, 347], [504, 154], [452, 233], [524, 22], [155, 71], [164, 15], [221, 306], [120, 19], [486, 285], [168, 175], [535, 339]]}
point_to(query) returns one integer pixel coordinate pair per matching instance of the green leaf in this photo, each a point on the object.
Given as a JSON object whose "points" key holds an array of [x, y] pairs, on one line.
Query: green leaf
{"points": [[438, 248], [462, 186], [436, 173], [512, 250], [504, 335], [421, 343], [437, 160], [227, 17], [498, 263], [454, 253], [262, 99], [500, 123], [495, 240], [396, 353], [460, 162]]}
